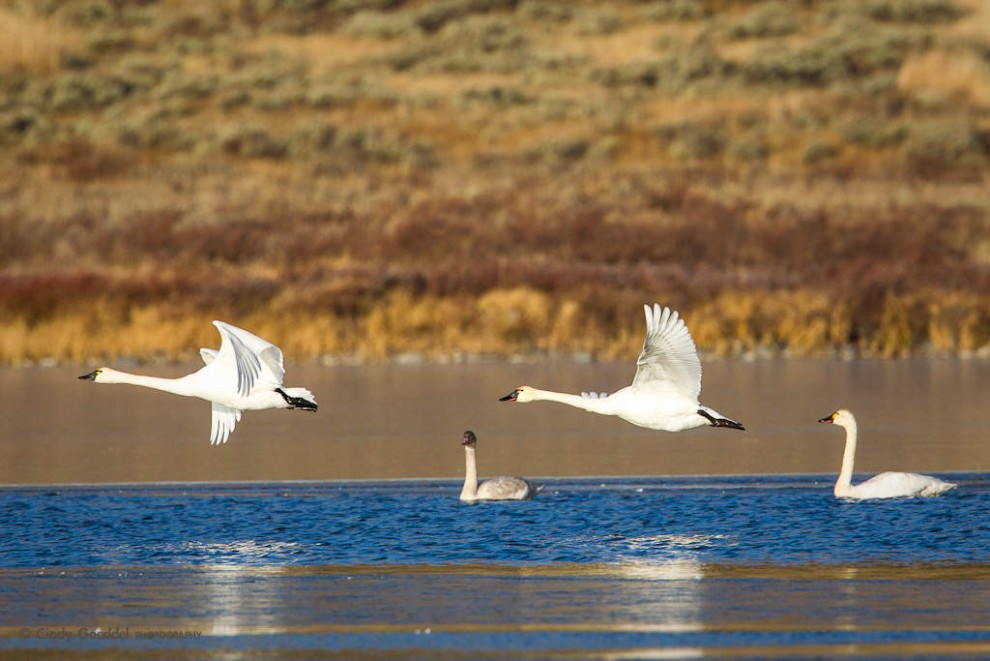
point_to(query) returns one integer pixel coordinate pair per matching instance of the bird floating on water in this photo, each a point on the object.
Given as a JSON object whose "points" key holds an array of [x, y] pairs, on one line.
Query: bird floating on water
{"points": [[246, 374], [664, 393], [496, 488], [884, 485]]}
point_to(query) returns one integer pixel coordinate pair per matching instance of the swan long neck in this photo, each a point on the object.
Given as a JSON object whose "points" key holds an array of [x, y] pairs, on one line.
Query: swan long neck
{"points": [[175, 386], [470, 489], [843, 485], [577, 401]]}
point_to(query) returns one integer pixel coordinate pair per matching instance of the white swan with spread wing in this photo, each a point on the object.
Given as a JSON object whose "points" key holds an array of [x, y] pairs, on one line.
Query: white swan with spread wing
{"points": [[664, 393], [884, 485], [496, 488], [246, 374]]}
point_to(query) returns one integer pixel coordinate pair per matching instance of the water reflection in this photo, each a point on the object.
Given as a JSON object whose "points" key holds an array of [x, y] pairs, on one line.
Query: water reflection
{"points": [[636, 609], [234, 601]]}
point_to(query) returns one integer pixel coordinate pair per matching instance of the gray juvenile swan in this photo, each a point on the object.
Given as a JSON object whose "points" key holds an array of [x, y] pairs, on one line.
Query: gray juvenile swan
{"points": [[497, 488], [244, 375], [884, 485], [664, 393]]}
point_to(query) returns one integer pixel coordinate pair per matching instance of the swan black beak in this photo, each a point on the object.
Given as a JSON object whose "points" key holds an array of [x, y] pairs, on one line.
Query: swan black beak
{"points": [[829, 419], [511, 397], [90, 377]]}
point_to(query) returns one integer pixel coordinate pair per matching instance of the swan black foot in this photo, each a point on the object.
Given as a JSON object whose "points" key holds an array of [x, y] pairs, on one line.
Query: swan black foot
{"points": [[720, 422], [296, 402]]}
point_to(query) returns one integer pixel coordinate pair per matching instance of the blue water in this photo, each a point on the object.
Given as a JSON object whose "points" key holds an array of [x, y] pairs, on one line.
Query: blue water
{"points": [[752, 520], [592, 567]]}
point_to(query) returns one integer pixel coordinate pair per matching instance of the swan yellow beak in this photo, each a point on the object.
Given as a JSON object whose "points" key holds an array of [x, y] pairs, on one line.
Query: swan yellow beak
{"points": [[90, 377], [829, 418]]}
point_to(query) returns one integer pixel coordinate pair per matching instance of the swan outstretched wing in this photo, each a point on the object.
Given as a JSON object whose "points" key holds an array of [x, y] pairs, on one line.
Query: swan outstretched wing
{"points": [[669, 359], [224, 420], [255, 358]]}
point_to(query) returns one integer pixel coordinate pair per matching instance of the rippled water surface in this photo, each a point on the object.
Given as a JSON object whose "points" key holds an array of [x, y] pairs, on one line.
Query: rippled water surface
{"points": [[340, 535], [590, 568]]}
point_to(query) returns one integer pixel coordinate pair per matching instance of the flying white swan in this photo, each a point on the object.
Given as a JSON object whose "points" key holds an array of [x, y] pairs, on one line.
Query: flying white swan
{"points": [[884, 485], [245, 374], [664, 392], [497, 488]]}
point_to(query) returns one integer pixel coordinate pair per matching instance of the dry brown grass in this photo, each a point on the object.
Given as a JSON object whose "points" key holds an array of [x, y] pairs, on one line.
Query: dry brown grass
{"points": [[493, 178]]}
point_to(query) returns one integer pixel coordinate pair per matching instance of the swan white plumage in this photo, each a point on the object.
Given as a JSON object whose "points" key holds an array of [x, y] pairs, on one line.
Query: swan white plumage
{"points": [[496, 488], [664, 393], [245, 374], [884, 485]]}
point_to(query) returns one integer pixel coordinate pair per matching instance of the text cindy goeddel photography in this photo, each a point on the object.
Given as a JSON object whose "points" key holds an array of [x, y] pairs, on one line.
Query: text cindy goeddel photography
{"points": [[105, 633]]}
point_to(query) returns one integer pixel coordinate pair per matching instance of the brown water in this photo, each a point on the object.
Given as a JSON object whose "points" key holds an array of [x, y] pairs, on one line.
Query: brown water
{"points": [[405, 421]]}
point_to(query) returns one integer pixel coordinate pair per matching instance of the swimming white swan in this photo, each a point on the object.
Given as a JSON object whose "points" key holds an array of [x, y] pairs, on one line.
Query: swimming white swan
{"points": [[664, 392], [497, 488], [245, 374], [884, 485]]}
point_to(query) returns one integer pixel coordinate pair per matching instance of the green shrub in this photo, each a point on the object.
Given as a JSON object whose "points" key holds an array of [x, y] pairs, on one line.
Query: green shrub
{"points": [[937, 145], [598, 21], [671, 73], [382, 25], [830, 59], [675, 10], [818, 151], [251, 141], [913, 11], [693, 140], [872, 133], [77, 92], [769, 19], [549, 12]]}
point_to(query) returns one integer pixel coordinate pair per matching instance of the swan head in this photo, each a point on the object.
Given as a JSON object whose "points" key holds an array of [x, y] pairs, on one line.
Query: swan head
{"points": [[101, 375], [469, 440], [521, 394], [842, 417]]}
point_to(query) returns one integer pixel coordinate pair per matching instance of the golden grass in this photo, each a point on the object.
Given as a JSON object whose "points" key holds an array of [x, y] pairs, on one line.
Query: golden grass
{"points": [[962, 75], [506, 322], [325, 53], [34, 44]]}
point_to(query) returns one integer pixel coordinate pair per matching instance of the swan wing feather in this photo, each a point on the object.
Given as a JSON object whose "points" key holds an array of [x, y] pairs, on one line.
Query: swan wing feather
{"points": [[224, 420], [269, 354], [241, 352], [505, 488], [208, 355], [901, 485], [669, 360]]}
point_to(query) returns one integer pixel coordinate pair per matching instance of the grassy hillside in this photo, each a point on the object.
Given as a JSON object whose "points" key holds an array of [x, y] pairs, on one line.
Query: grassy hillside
{"points": [[367, 178]]}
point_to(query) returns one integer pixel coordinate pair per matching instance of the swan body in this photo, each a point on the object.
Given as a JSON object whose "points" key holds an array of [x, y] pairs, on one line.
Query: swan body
{"points": [[884, 485], [245, 374], [664, 393], [497, 488]]}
